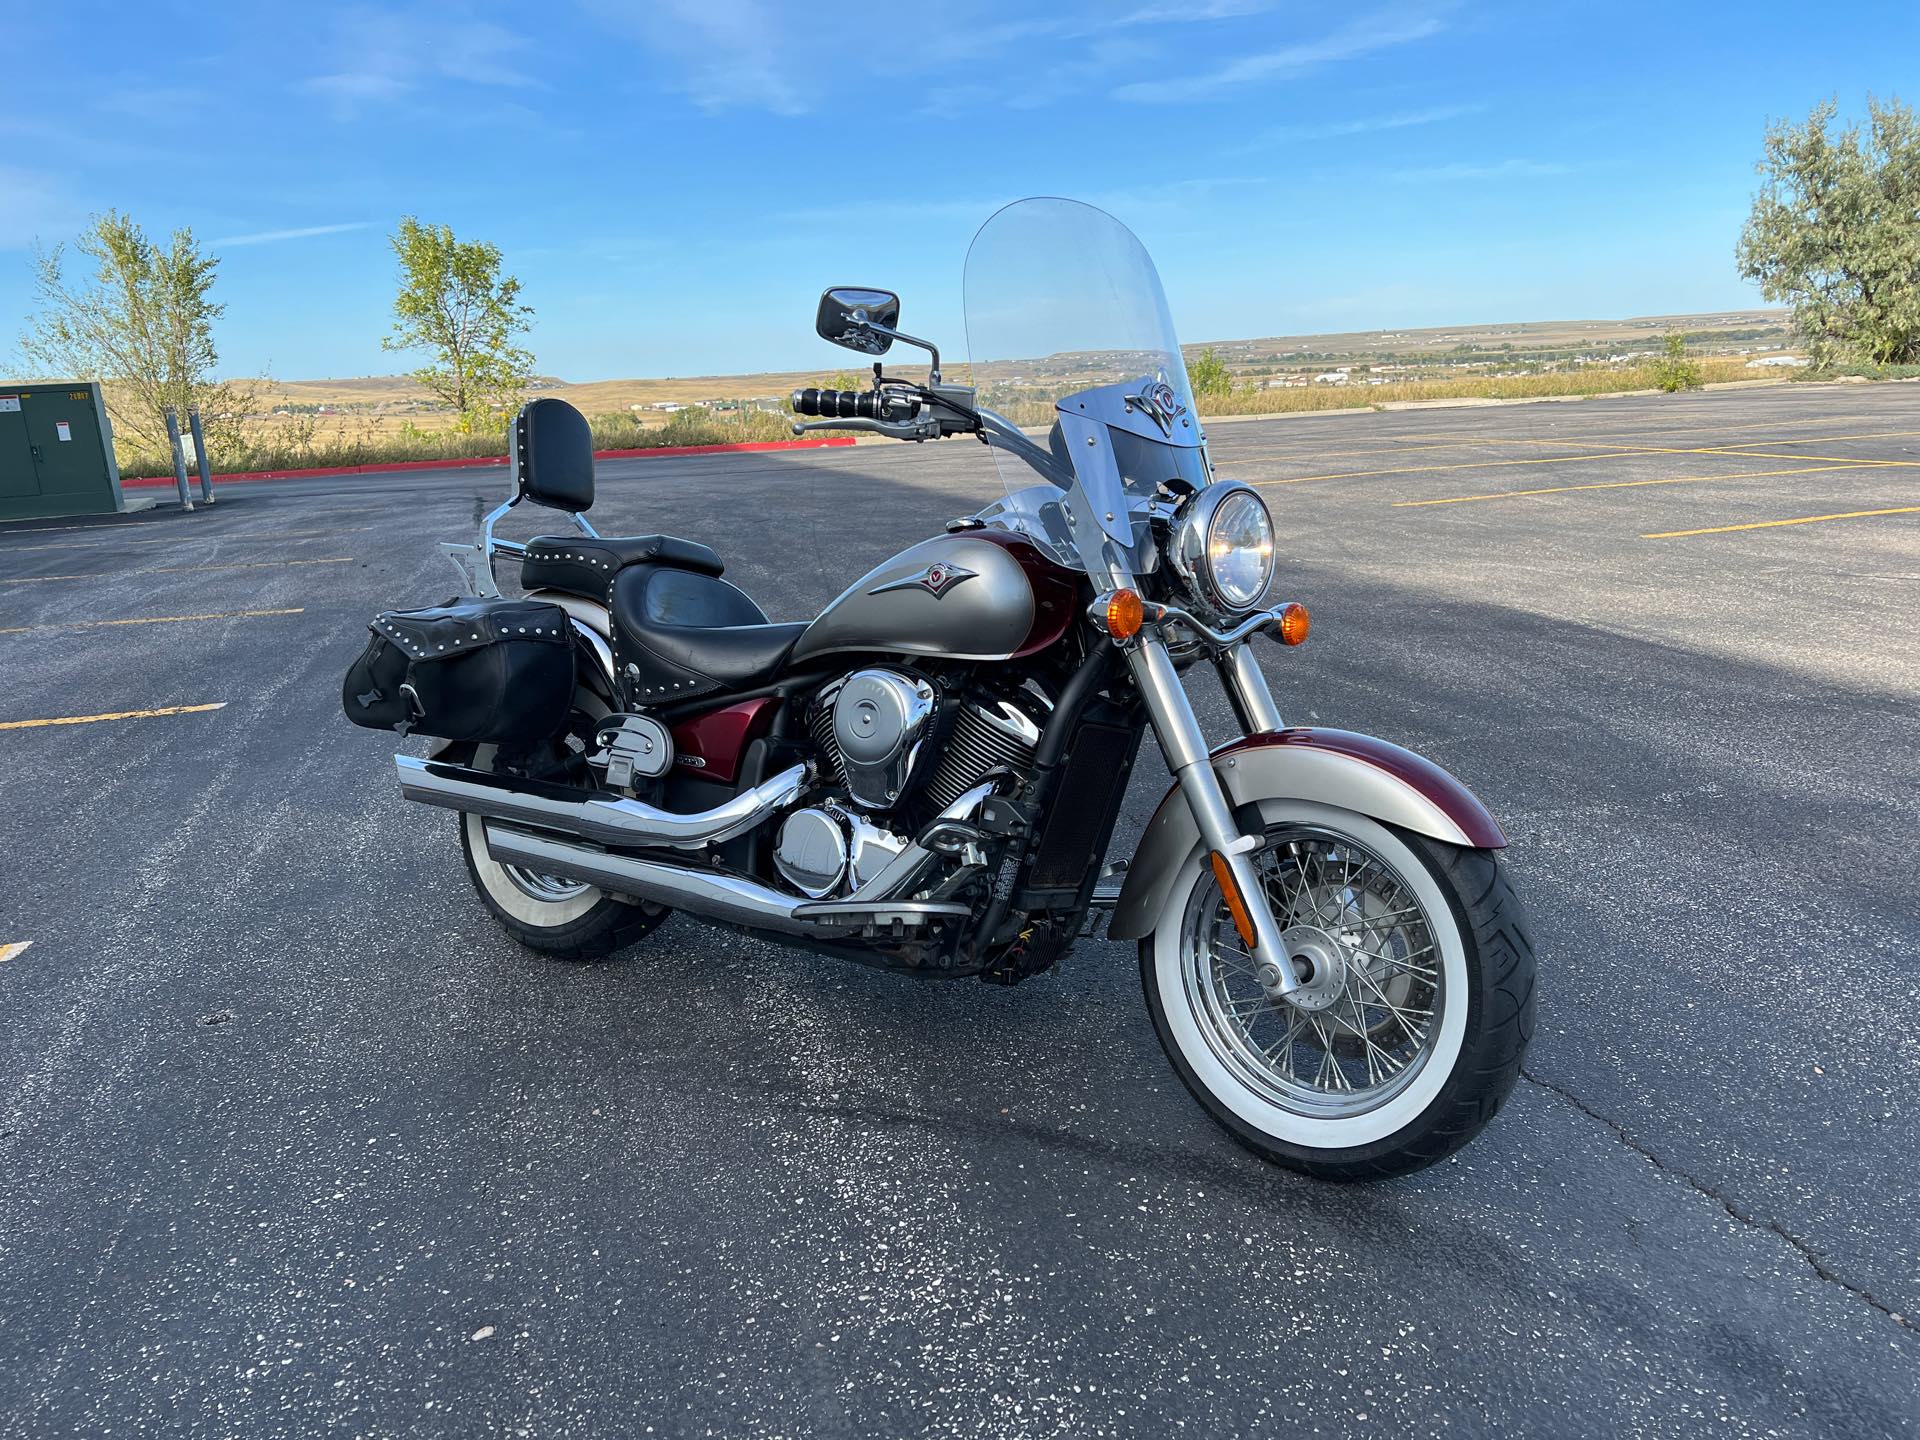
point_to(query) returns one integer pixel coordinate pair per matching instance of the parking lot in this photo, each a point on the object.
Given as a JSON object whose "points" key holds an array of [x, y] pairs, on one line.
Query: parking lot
{"points": [[296, 1142]]}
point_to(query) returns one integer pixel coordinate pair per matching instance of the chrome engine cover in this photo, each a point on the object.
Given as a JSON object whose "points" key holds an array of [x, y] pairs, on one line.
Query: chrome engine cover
{"points": [[879, 719], [811, 852], [823, 851]]}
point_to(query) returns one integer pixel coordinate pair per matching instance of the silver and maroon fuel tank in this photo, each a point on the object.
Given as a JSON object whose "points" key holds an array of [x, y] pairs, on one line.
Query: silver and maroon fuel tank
{"points": [[971, 595]]}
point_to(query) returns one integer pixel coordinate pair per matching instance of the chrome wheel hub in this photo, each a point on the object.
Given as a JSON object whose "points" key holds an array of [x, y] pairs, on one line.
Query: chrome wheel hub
{"points": [[1321, 963]]}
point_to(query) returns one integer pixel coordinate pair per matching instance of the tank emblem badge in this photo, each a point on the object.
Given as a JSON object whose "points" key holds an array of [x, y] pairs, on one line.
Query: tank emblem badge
{"points": [[936, 580]]}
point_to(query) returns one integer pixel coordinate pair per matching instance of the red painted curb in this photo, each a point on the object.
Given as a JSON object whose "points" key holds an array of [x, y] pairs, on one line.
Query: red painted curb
{"points": [[149, 482]]}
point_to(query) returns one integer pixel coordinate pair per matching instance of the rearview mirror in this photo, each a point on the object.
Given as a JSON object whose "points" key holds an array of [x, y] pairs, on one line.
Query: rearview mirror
{"points": [[848, 316]]}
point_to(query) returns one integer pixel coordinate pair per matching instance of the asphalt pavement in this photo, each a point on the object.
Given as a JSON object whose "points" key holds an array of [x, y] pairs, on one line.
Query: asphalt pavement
{"points": [[294, 1141]]}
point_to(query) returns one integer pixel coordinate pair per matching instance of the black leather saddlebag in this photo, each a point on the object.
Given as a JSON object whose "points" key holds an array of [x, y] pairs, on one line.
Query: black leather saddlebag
{"points": [[496, 671]]}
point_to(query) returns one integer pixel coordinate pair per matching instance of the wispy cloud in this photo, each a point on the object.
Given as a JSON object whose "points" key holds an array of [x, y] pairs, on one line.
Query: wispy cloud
{"points": [[1484, 170], [1334, 129], [34, 207], [271, 237], [763, 55], [1363, 36], [1128, 203], [735, 53], [381, 57]]}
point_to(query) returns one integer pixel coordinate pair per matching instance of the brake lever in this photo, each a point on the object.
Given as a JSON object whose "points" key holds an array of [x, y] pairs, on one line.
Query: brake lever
{"points": [[923, 428]]}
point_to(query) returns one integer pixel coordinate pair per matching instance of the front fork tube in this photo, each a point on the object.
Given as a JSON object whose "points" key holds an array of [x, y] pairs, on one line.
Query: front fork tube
{"points": [[1246, 687], [1185, 747]]}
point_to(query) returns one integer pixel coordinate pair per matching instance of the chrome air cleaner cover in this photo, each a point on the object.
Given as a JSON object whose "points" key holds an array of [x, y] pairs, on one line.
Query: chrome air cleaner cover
{"points": [[879, 717]]}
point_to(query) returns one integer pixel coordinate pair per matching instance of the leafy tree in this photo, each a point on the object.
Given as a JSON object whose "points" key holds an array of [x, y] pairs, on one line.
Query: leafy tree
{"points": [[454, 302], [142, 324], [1209, 376], [1673, 370], [1835, 233]]}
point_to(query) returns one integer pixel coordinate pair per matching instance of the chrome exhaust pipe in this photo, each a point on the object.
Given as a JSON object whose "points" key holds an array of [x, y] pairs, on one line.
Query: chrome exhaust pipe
{"points": [[606, 818], [703, 892], [698, 892]]}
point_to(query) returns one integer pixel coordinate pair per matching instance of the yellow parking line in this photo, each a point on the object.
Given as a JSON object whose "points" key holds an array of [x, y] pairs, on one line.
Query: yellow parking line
{"points": [[1467, 465], [1771, 524], [9, 952], [178, 570], [1824, 439], [183, 539], [1648, 434], [1632, 484], [1775, 455], [112, 715], [1727, 447], [152, 620], [242, 565], [1610, 453]]}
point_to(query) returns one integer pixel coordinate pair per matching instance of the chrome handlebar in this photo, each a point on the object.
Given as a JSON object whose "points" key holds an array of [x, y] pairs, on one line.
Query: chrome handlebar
{"points": [[1157, 613], [1268, 619]]}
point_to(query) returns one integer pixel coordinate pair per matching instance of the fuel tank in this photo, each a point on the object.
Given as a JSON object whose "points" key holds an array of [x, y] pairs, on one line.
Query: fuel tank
{"points": [[971, 595]]}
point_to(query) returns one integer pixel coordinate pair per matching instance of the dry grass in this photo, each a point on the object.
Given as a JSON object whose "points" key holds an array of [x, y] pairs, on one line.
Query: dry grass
{"points": [[1593, 380], [269, 448], [381, 419]]}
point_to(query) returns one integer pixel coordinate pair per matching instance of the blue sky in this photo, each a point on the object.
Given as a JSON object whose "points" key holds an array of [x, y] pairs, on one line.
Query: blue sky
{"points": [[674, 182]]}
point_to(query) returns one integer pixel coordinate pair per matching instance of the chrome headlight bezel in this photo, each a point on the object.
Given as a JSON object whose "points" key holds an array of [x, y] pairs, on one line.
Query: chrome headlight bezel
{"points": [[1190, 546]]}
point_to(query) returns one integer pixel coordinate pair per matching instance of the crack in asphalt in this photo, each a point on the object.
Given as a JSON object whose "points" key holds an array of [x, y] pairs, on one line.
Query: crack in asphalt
{"points": [[1744, 1216]]}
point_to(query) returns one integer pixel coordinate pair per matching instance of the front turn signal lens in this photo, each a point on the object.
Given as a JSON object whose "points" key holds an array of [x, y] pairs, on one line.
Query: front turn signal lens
{"points": [[1294, 624], [1236, 902], [1124, 614]]}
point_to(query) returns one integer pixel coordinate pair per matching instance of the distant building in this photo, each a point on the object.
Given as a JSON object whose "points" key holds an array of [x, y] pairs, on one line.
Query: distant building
{"points": [[1773, 361]]}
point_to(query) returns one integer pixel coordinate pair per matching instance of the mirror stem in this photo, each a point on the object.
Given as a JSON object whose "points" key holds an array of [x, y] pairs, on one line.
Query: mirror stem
{"points": [[933, 374]]}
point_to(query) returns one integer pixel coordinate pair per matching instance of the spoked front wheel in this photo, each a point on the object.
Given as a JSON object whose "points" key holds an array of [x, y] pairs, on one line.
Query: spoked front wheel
{"points": [[1408, 1032]]}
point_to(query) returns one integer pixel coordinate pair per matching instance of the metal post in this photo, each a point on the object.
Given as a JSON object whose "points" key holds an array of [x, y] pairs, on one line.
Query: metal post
{"points": [[179, 457], [200, 454]]}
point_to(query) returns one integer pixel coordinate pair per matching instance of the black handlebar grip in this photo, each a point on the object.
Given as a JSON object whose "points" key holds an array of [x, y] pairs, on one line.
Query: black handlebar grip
{"points": [[838, 404]]}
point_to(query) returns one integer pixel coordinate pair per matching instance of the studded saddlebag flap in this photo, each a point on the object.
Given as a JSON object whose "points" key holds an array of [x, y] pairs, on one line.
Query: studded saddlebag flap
{"points": [[497, 671]]}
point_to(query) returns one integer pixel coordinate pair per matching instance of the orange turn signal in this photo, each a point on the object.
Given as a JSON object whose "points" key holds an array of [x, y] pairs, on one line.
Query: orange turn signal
{"points": [[1294, 624], [1125, 613], [1236, 902]]}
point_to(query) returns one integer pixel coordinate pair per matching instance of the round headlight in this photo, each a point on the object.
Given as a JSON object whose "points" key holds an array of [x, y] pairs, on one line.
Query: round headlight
{"points": [[1223, 546]]}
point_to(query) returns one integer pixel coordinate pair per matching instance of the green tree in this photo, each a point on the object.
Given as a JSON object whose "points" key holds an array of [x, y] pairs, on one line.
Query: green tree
{"points": [[1674, 370], [141, 323], [1209, 376], [454, 301], [1834, 232]]}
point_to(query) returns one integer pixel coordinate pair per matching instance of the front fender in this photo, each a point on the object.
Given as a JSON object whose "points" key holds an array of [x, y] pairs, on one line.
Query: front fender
{"points": [[1333, 767]]}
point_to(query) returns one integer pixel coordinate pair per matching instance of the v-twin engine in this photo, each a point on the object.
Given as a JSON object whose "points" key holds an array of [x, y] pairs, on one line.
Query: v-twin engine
{"points": [[871, 726], [871, 729]]}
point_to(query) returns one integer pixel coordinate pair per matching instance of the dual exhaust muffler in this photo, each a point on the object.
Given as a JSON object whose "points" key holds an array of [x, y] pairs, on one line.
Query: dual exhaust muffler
{"points": [[551, 830]]}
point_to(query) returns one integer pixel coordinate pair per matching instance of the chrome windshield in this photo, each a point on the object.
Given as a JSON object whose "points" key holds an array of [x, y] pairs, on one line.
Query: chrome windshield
{"points": [[1070, 338]]}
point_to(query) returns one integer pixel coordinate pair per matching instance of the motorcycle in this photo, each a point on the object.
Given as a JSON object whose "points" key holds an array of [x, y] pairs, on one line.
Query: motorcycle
{"points": [[926, 776]]}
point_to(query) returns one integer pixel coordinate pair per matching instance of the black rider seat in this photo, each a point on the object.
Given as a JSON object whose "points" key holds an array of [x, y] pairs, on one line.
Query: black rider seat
{"points": [[683, 632], [585, 566]]}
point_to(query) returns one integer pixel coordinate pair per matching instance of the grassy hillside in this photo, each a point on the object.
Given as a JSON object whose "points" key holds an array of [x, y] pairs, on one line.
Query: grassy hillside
{"points": [[381, 418]]}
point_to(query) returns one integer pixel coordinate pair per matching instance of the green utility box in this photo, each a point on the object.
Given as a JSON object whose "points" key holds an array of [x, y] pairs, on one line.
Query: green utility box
{"points": [[56, 451]]}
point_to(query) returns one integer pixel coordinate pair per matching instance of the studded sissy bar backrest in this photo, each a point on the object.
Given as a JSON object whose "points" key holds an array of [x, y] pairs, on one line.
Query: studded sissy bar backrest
{"points": [[553, 455]]}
